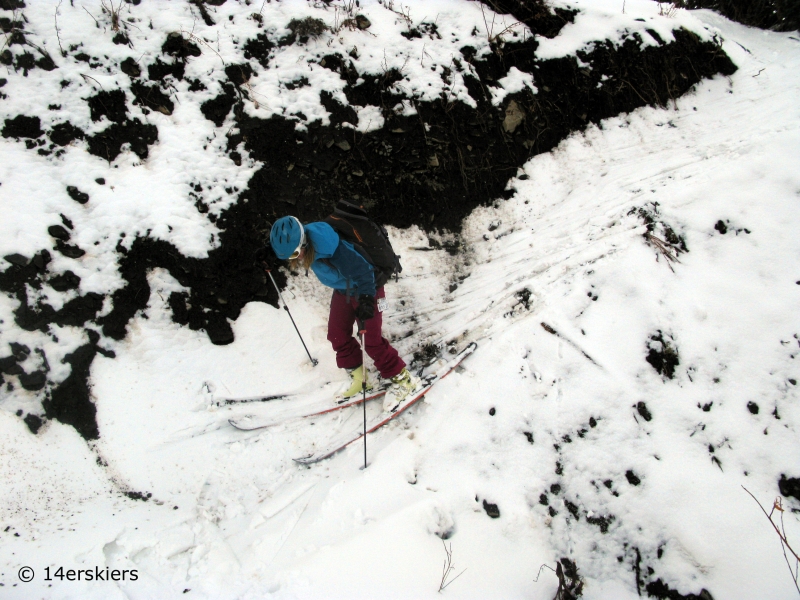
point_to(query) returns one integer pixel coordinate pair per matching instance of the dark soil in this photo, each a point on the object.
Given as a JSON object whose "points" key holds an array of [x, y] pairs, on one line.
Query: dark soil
{"points": [[108, 143], [179, 47], [65, 133], [108, 104], [536, 15], [152, 97], [217, 109], [22, 127], [659, 589], [11, 4], [789, 487], [130, 67], [663, 354]]}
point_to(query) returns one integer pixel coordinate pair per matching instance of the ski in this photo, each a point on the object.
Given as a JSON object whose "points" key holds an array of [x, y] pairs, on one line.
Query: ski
{"points": [[234, 401], [264, 398], [255, 422], [428, 381]]}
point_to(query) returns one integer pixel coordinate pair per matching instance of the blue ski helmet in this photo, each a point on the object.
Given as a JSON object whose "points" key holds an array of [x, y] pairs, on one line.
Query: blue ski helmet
{"points": [[287, 235]]}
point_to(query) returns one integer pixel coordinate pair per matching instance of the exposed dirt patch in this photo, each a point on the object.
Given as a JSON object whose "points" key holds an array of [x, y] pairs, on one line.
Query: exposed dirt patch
{"points": [[659, 589], [789, 487], [151, 97], [108, 104], [662, 354], [64, 134], [108, 143], [23, 127]]}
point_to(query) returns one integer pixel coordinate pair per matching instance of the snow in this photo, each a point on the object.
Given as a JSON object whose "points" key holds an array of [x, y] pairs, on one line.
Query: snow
{"points": [[231, 516]]}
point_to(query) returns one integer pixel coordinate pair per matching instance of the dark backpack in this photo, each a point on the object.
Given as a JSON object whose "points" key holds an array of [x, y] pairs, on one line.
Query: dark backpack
{"points": [[368, 238]]}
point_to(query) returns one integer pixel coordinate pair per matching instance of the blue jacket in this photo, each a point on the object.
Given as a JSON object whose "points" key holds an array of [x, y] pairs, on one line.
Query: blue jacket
{"points": [[337, 264]]}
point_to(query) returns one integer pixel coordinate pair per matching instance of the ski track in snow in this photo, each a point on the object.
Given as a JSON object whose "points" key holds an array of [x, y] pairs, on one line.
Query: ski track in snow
{"points": [[231, 516]]}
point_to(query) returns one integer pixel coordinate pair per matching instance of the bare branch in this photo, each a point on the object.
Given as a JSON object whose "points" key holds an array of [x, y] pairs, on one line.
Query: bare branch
{"points": [[782, 535], [448, 567]]}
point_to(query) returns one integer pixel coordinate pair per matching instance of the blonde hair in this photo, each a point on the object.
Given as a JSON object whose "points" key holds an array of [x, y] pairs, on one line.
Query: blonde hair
{"points": [[305, 262]]}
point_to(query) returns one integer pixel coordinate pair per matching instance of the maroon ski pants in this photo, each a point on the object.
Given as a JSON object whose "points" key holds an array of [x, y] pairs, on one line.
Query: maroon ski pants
{"points": [[348, 351]]}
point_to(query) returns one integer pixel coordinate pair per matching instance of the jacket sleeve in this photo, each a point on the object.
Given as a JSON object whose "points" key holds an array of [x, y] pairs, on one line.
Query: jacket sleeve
{"points": [[354, 267]]}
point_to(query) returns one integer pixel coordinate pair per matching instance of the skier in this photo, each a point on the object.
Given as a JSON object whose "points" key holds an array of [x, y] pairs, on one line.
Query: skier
{"points": [[338, 265]]}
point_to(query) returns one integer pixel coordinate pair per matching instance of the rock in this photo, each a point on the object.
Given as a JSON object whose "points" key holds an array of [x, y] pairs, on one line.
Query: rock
{"points": [[344, 145], [514, 116], [67, 281], [32, 381], [20, 351], [363, 22], [17, 259], [130, 68], [9, 366], [632, 478], [58, 232], [33, 422], [69, 250], [789, 486], [77, 195], [218, 329], [491, 509], [41, 260]]}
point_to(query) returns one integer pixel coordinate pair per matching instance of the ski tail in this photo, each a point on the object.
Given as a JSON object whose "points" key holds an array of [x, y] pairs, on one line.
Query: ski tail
{"points": [[254, 422]]}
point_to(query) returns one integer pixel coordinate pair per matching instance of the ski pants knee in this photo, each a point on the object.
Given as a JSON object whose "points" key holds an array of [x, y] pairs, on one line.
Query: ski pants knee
{"points": [[348, 351]]}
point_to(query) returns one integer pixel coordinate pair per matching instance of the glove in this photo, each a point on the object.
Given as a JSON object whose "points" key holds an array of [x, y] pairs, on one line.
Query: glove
{"points": [[366, 308], [264, 258]]}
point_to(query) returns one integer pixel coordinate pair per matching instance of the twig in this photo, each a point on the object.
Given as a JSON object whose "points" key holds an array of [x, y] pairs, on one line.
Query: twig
{"points": [[664, 249], [549, 329], [448, 567], [539, 574], [93, 79], [91, 15], [55, 16], [196, 38], [782, 535], [112, 12]]}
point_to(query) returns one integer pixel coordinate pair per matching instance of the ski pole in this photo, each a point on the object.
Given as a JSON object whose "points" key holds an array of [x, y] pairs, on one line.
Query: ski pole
{"points": [[314, 361], [361, 331]]}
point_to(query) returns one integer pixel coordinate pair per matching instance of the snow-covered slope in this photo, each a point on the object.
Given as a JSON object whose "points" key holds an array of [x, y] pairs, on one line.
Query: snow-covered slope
{"points": [[587, 452]]}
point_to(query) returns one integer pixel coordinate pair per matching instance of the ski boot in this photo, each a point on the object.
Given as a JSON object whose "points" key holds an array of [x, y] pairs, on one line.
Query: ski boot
{"points": [[356, 378], [402, 385]]}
